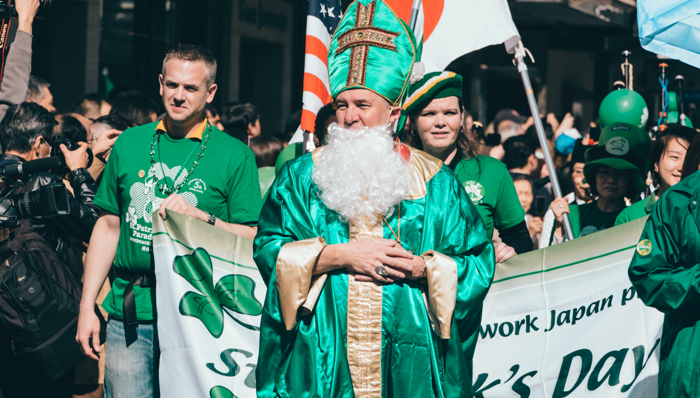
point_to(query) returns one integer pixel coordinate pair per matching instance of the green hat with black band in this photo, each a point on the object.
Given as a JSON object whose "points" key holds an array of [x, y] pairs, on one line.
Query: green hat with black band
{"points": [[432, 86], [621, 146], [372, 49]]}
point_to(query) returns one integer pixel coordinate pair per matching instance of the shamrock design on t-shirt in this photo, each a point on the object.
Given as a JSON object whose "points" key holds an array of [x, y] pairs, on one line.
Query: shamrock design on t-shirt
{"points": [[475, 191]]}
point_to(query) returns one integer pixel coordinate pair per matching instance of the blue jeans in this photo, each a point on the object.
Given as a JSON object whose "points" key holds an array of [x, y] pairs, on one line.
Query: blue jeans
{"points": [[131, 365]]}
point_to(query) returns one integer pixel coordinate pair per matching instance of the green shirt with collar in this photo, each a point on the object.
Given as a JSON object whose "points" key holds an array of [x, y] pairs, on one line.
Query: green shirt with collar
{"points": [[225, 183], [638, 210], [665, 272]]}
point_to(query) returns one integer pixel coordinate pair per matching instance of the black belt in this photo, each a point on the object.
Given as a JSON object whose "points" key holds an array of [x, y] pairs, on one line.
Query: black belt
{"points": [[129, 308]]}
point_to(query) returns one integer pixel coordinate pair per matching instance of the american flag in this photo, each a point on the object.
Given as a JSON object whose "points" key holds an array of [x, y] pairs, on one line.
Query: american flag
{"points": [[323, 17]]}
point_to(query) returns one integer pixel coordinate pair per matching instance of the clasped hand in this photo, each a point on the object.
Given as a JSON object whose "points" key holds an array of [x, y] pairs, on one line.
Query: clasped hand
{"points": [[362, 258]]}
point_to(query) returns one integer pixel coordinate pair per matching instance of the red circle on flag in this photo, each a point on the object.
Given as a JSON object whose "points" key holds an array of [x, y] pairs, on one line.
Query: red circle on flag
{"points": [[432, 11]]}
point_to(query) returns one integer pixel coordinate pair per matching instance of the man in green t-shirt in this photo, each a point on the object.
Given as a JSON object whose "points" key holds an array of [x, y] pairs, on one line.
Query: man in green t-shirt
{"points": [[183, 164]]}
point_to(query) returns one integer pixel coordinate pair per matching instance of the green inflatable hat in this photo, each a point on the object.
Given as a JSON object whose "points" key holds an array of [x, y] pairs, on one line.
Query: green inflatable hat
{"points": [[621, 146], [372, 49], [624, 106]]}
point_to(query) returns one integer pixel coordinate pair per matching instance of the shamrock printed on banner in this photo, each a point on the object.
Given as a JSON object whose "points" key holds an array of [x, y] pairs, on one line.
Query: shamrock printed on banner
{"points": [[233, 292], [475, 191], [221, 392]]}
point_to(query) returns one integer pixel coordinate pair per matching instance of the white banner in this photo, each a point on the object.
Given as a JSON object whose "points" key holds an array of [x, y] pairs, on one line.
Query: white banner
{"points": [[566, 322], [559, 322], [209, 297]]}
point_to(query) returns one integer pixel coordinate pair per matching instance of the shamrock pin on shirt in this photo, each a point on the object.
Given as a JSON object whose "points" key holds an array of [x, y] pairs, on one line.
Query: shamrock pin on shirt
{"points": [[491, 189]]}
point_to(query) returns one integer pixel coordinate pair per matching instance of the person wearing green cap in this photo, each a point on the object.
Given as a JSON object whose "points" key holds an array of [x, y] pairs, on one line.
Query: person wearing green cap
{"points": [[666, 160], [376, 262], [665, 272], [434, 112], [615, 168]]}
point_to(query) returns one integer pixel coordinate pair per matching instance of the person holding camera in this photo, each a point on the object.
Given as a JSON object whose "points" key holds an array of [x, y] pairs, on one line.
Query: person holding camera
{"points": [[210, 176], [26, 135]]}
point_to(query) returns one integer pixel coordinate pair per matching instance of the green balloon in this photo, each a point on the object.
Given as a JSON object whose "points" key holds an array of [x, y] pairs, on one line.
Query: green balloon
{"points": [[623, 106], [672, 102]]}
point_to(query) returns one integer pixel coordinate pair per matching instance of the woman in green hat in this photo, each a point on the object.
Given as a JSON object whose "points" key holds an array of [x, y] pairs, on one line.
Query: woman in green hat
{"points": [[615, 169], [665, 272], [666, 158], [435, 111]]}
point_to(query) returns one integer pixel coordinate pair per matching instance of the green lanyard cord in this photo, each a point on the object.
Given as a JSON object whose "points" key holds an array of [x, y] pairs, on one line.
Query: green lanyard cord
{"points": [[184, 165]]}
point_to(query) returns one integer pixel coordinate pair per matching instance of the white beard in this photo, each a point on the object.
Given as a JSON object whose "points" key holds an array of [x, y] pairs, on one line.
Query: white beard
{"points": [[359, 175]]}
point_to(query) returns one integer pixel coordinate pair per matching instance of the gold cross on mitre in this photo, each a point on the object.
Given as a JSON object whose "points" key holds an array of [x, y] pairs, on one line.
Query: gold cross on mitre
{"points": [[360, 38]]}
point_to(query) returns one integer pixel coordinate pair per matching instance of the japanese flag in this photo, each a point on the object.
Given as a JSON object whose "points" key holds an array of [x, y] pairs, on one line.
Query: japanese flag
{"points": [[452, 28]]}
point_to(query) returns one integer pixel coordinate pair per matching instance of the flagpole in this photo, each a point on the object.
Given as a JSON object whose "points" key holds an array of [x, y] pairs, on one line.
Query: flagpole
{"points": [[414, 14], [520, 53]]}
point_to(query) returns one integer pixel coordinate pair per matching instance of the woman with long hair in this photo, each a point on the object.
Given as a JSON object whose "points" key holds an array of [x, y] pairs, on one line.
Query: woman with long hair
{"points": [[437, 126]]}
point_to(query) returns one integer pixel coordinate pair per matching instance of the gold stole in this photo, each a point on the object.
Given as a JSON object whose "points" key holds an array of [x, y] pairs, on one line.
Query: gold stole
{"points": [[365, 323]]}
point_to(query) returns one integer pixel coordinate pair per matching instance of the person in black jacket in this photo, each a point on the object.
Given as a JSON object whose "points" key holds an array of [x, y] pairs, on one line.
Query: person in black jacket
{"points": [[25, 134]]}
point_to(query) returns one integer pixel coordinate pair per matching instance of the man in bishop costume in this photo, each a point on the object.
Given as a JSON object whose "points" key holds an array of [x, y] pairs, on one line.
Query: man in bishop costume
{"points": [[376, 261]]}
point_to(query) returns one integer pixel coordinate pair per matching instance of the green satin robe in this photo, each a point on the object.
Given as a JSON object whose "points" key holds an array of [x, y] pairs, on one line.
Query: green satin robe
{"points": [[311, 360]]}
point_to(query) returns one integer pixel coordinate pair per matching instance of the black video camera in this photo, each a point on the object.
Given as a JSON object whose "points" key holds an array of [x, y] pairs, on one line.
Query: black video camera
{"points": [[46, 201], [56, 142]]}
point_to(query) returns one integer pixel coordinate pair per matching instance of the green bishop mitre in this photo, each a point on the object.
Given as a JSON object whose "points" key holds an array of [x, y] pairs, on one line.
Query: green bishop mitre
{"points": [[372, 48]]}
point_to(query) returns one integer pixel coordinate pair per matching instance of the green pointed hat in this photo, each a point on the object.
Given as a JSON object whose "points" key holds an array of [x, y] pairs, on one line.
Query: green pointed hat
{"points": [[374, 49], [432, 86]]}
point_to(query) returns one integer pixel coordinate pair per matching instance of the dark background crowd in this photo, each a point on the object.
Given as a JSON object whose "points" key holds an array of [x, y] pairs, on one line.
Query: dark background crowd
{"points": [[32, 127]]}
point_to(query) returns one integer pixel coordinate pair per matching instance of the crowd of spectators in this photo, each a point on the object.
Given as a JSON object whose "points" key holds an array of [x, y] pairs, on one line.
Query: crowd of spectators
{"points": [[524, 214]]}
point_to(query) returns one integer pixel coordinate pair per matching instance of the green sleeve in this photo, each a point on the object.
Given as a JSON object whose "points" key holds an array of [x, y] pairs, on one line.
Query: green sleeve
{"points": [[108, 197], [661, 277], [508, 211], [623, 217], [244, 201]]}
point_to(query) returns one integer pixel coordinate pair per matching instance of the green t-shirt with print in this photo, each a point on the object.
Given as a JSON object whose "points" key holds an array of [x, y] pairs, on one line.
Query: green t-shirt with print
{"points": [[225, 183], [491, 189], [588, 218]]}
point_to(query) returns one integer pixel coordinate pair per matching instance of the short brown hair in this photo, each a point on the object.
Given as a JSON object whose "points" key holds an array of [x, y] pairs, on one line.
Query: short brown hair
{"points": [[692, 157], [266, 150], [193, 53]]}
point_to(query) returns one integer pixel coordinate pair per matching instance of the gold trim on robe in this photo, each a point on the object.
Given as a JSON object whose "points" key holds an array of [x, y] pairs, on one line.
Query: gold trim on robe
{"points": [[442, 289], [295, 265], [365, 323], [423, 168], [365, 298]]}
